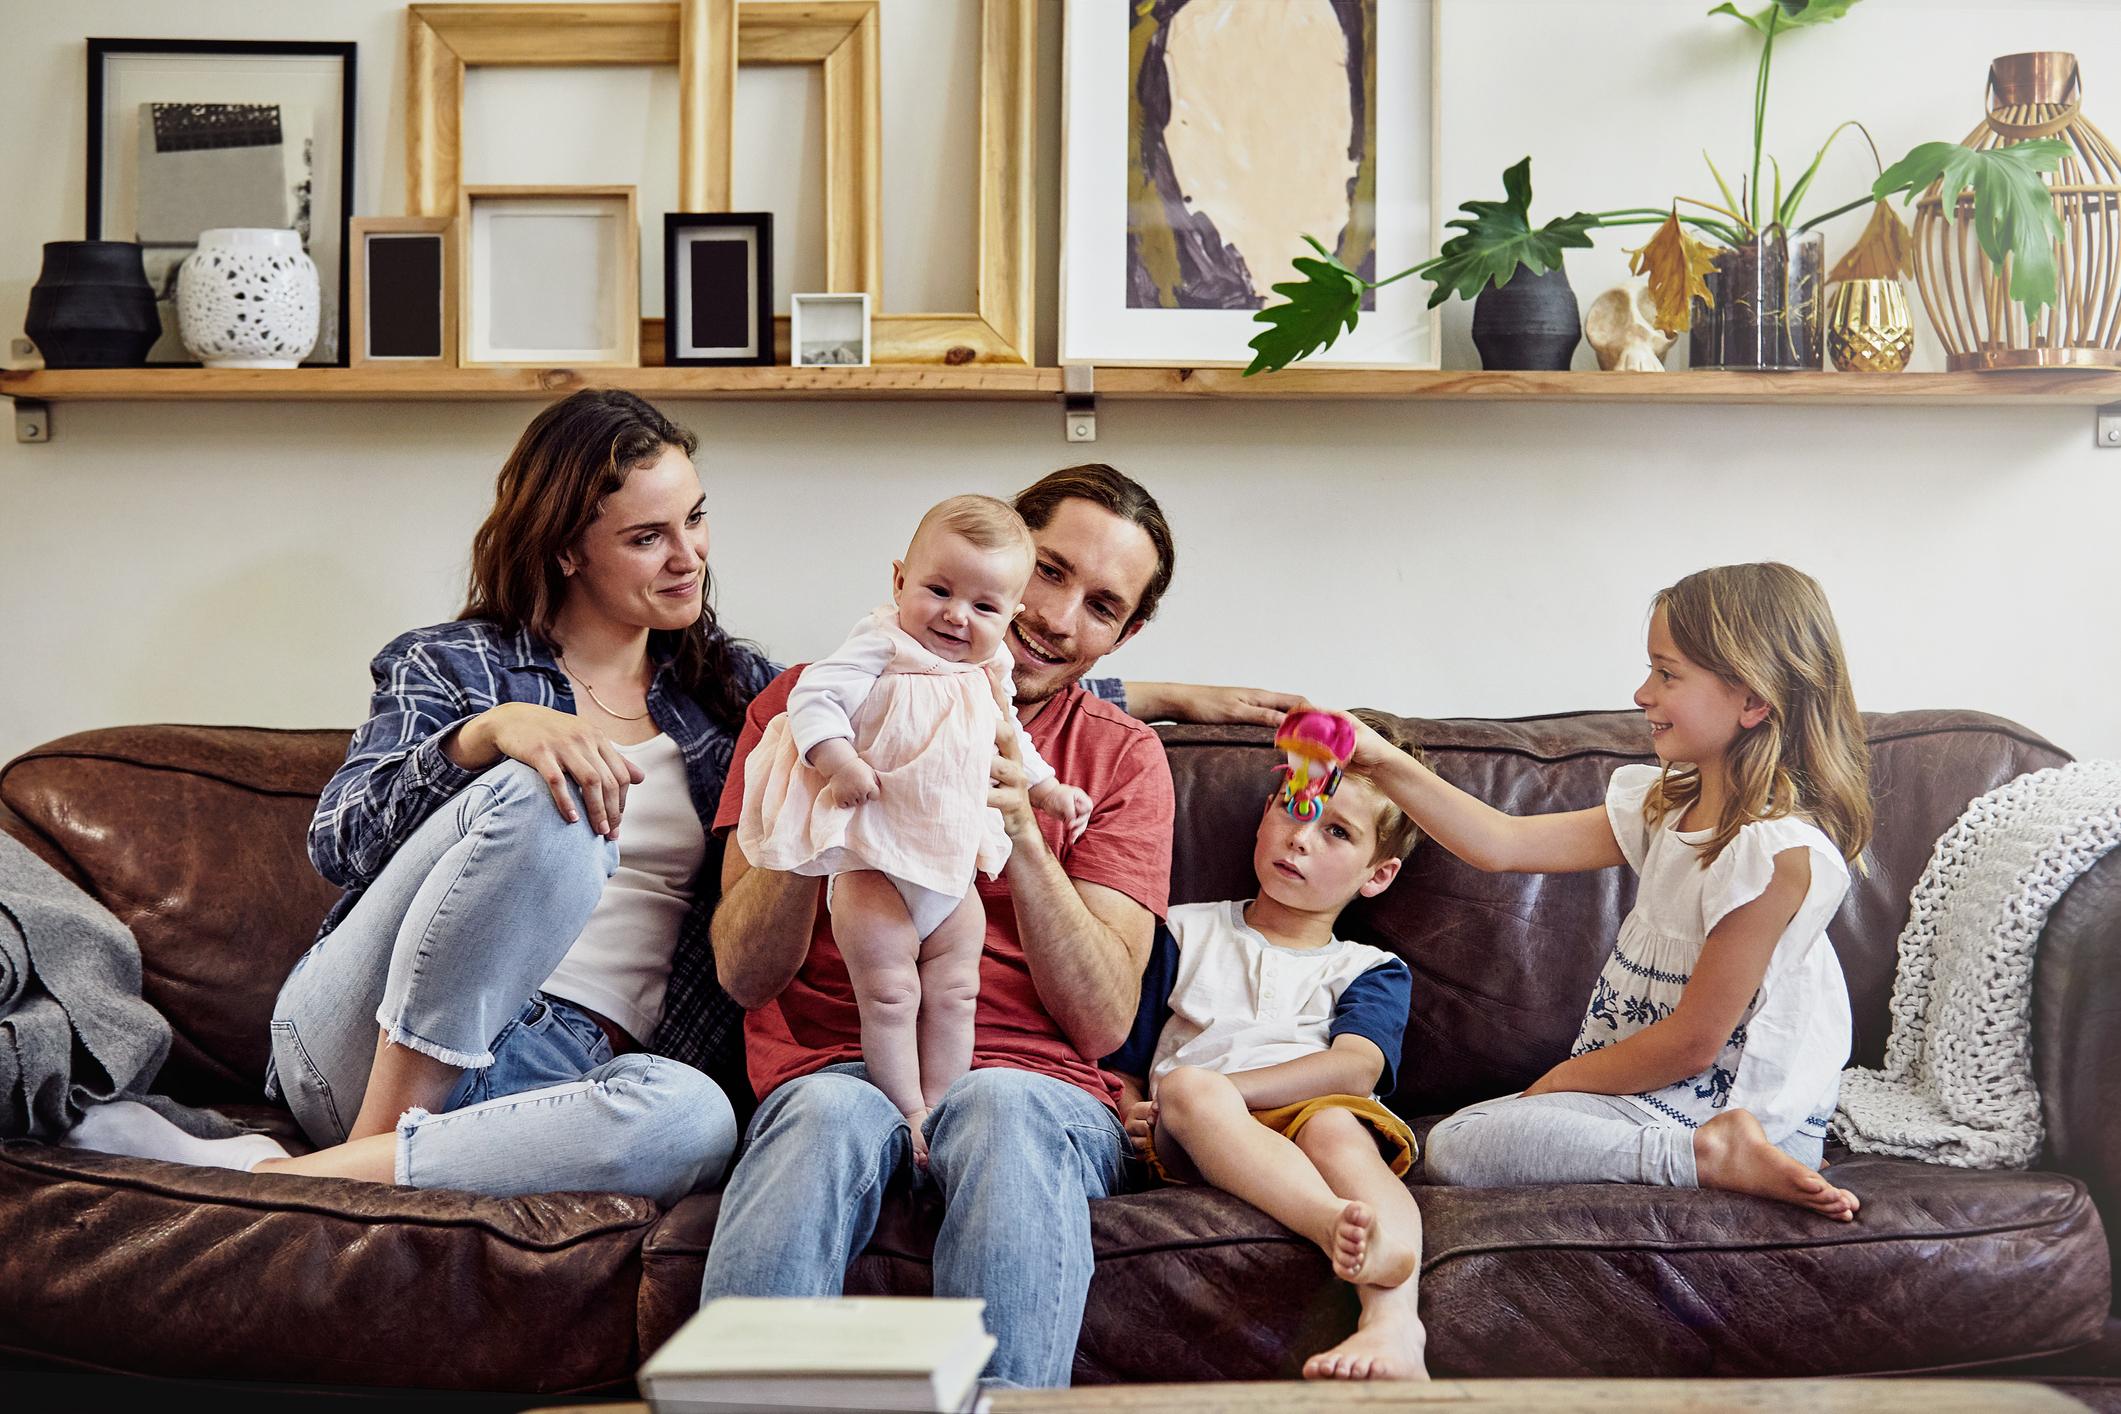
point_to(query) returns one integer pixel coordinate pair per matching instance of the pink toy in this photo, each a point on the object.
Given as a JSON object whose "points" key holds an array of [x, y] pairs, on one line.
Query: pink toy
{"points": [[1318, 744]]}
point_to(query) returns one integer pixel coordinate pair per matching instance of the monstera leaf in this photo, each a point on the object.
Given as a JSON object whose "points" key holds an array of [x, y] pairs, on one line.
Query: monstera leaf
{"points": [[1497, 237], [1327, 300], [1785, 14], [1675, 263], [2014, 215]]}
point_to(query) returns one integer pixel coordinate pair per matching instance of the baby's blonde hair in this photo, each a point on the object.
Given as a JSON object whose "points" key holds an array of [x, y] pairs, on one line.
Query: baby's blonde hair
{"points": [[984, 521], [1767, 628]]}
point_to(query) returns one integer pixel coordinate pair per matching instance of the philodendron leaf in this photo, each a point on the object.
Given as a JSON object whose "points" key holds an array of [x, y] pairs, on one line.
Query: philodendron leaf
{"points": [[1794, 13], [1317, 309], [1675, 263], [1496, 237], [2014, 214], [1880, 253]]}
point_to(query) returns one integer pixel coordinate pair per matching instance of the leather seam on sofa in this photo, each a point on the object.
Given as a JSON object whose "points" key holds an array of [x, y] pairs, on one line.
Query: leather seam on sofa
{"points": [[1455, 1253], [11, 1152], [249, 786]]}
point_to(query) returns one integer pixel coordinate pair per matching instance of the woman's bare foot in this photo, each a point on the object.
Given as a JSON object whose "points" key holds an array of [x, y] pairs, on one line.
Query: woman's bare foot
{"points": [[1362, 1251], [1390, 1347], [1732, 1151], [917, 1122]]}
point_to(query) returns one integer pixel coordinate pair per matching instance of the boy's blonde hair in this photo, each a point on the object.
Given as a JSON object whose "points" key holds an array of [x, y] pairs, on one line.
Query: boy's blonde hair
{"points": [[1766, 628], [988, 523], [1397, 833]]}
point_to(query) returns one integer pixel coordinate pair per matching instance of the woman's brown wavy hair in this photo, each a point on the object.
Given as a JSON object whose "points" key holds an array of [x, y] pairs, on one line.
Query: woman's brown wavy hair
{"points": [[1766, 628], [573, 456]]}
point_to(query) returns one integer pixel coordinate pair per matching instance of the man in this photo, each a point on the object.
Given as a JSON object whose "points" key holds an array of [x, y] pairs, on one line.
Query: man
{"points": [[1023, 1142]]}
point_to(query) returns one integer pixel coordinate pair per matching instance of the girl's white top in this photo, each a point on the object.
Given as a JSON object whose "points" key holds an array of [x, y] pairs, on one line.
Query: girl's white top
{"points": [[1783, 1062]]}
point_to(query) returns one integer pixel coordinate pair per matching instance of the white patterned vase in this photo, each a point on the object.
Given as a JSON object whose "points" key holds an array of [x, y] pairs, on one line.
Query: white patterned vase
{"points": [[247, 298]]}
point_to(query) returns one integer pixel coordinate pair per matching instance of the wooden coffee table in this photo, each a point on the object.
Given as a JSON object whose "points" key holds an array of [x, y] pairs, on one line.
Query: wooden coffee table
{"points": [[1851, 1396]]}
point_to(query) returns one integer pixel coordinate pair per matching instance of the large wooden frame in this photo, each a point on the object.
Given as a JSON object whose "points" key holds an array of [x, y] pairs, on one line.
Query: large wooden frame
{"points": [[707, 39]]}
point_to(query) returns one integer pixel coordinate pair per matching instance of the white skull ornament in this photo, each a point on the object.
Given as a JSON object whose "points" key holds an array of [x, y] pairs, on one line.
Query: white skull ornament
{"points": [[1619, 326]]}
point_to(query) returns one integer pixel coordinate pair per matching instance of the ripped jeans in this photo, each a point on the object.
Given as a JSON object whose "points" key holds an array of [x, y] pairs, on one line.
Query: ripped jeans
{"points": [[444, 954]]}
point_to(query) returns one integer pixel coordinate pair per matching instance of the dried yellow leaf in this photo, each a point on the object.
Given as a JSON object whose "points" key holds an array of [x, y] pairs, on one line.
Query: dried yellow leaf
{"points": [[1880, 253], [1675, 263]]}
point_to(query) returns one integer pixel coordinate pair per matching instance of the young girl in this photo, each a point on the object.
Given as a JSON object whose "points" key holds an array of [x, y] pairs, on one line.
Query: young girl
{"points": [[1711, 1051], [877, 775]]}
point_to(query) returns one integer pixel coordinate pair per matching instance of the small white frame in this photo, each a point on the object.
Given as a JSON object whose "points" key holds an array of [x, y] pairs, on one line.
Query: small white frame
{"points": [[819, 321]]}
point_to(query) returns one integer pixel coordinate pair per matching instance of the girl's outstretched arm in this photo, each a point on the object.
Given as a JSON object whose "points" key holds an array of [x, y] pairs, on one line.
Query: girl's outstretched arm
{"points": [[1563, 842], [1724, 980]]}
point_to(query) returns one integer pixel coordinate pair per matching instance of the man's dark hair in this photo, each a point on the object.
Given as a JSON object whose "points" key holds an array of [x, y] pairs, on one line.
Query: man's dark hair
{"points": [[1106, 486]]}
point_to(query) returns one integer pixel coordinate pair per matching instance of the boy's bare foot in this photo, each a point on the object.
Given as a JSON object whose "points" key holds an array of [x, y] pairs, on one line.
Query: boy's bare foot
{"points": [[1732, 1151], [1391, 1347], [917, 1122], [1362, 1252]]}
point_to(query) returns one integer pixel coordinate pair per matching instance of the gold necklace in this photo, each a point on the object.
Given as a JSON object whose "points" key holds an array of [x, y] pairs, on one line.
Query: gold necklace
{"points": [[598, 700]]}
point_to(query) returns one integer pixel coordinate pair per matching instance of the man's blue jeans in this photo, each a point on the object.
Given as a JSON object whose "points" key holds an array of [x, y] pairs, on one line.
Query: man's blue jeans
{"points": [[444, 954], [1019, 1156]]}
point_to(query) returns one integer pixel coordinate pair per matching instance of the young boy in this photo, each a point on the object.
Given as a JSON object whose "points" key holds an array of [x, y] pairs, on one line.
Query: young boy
{"points": [[1263, 1081]]}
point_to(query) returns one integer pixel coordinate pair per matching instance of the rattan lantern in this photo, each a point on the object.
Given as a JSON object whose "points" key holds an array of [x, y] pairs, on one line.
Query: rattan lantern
{"points": [[2030, 96]]}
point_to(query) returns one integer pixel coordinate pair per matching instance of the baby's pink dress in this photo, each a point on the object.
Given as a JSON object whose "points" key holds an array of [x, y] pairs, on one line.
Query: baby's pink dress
{"points": [[927, 728]]}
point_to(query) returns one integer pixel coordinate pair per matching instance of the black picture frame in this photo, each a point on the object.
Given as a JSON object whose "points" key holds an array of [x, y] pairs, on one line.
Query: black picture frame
{"points": [[102, 50], [707, 293]]}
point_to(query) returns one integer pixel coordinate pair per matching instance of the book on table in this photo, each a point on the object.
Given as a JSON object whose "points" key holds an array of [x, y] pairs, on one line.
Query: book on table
{"points": [[845, 1352]]}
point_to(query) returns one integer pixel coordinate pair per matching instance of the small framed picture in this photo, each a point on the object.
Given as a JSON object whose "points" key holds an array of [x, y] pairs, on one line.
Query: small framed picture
{"points": [[404, 300], [827, 331], [717, 288], [549, 277]]}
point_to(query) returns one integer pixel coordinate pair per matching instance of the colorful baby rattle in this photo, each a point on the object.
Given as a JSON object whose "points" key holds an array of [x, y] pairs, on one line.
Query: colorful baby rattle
{"points": [[1318, 744]]}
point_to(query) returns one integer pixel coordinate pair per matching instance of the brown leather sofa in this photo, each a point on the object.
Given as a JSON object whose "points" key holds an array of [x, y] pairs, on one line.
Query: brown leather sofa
{"points": [[194, 836]]}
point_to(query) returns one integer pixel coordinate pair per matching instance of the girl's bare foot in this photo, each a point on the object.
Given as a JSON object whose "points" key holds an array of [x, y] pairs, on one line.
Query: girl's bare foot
{"points": [[1362, 1252], [917, 1122], [1731, 1151], [1390, 1347]]}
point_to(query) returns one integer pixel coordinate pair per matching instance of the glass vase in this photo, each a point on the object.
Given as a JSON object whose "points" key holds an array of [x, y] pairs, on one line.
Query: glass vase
{"points": [[1767, 294]]}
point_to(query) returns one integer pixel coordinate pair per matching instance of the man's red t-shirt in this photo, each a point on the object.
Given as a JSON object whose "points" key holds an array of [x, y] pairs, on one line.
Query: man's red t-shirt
{"points": [[813, 1023]]}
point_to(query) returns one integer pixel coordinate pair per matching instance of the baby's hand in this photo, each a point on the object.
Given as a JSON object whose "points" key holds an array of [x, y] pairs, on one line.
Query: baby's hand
{"points": [[1066, 804], [852, 784], [1141, 1124]]}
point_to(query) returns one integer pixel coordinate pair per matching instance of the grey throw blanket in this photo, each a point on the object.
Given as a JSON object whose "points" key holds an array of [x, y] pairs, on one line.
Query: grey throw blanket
{"points": [[73, 1029]]}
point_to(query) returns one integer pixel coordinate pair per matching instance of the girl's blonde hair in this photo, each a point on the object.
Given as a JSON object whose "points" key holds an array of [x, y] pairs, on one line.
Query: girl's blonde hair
{"points": [[1767, 629]]}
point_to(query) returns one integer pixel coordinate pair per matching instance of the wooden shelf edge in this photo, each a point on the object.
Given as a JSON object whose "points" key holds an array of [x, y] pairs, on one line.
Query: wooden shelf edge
{"points": [[2064, 387]]}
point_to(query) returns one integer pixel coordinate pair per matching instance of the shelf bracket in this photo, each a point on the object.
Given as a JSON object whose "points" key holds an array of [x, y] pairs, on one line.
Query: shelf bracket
{"points": [[33, 420], [2107, 429], [1079, 402]]}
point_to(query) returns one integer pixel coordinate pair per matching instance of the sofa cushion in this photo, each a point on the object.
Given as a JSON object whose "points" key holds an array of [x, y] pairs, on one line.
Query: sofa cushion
{"points": [[1944, 1269], [195, 837], [163, 1269]]}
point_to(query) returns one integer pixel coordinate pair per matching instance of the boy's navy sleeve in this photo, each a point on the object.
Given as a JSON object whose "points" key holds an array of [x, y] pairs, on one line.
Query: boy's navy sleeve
{"points": [[1154, 1009], [1374, 1006]]}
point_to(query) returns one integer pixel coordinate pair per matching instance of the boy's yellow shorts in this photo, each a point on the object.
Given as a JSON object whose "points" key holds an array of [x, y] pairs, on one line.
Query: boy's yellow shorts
{"points": [[1394, 1140]]}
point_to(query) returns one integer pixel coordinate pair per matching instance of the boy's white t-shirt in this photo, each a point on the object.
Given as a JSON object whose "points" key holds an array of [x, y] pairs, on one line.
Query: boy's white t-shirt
{"points": [[1239, 1002]]}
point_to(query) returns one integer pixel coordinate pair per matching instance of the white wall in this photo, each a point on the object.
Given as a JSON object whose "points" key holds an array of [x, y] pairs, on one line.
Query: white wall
{"points": [[240, 562]]}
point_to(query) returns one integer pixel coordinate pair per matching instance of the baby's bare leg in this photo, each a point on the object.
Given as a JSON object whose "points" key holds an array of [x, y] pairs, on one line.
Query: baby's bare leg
{"points": [[949, 966], [1202, 1111], [876, 937], [1379, 1234]]}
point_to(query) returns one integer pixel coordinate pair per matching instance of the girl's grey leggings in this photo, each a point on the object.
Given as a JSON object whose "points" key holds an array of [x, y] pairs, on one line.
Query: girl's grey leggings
{"points": [[1569, 1138]]}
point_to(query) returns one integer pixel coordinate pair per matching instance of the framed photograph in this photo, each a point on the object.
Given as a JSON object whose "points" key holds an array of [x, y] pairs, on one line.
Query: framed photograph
{"points": [[185, 135], [717, 289], [403, 301], [550, 277], [1185, 198], [828, 331]]}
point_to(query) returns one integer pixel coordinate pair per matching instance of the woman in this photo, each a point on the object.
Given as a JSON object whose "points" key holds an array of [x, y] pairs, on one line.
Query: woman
{"points": [[474, 1012]]}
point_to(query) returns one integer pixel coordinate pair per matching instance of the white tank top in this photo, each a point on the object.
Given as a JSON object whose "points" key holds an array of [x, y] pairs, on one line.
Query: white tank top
{"points": [[620, 965]]}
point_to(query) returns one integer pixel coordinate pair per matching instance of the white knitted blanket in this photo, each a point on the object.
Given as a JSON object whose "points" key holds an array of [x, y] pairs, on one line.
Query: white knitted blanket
{"points": [[1957, 1087]]}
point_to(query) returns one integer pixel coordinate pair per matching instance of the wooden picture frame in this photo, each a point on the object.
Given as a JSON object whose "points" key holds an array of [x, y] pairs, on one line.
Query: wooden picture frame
{"points": [[687, 237], [364, 284], [707, 40], [481, 223]]}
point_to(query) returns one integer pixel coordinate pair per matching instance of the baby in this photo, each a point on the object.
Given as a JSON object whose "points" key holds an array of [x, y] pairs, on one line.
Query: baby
{"points": [[877, 775]]}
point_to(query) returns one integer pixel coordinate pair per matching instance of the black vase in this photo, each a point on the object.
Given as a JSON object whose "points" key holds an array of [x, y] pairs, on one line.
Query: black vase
{"points": [[92, 306], [1530, 323]]}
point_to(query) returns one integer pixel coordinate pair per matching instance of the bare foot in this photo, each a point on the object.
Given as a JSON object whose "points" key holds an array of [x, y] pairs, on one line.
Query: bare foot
{"points": [[1389, 1348], [1732, 1151], [917, 1122], [1364, 1253]]}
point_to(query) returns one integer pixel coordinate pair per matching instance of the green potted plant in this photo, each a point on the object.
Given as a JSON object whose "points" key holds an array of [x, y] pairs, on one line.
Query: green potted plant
{"points": [[1743, 275]]}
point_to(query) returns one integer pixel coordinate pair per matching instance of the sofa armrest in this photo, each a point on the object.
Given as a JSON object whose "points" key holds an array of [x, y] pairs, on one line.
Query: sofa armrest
{"points": [[2077, 1037]]}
